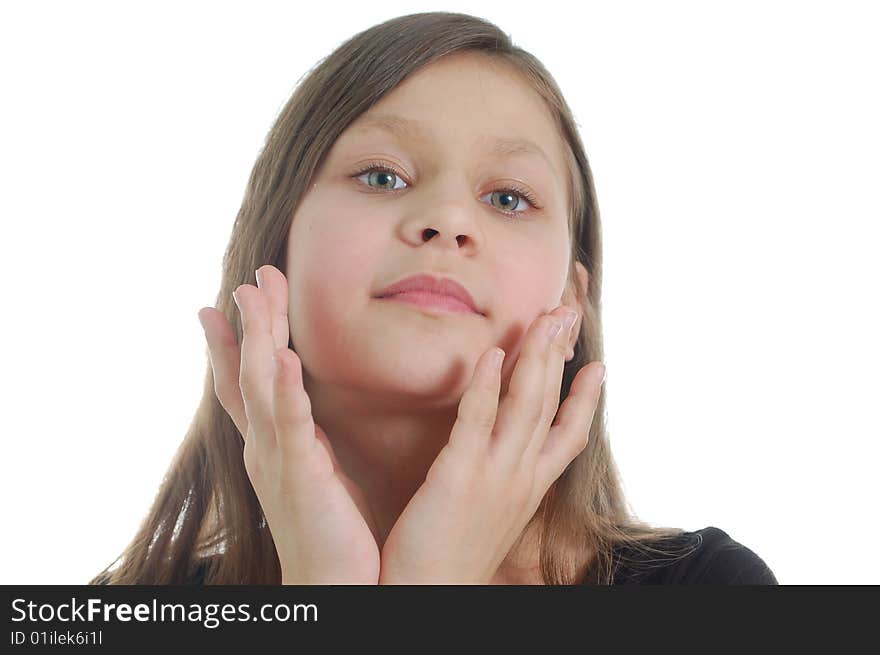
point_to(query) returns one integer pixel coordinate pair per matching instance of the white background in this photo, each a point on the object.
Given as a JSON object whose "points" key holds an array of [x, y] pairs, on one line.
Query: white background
{"points": [[735, 152]]}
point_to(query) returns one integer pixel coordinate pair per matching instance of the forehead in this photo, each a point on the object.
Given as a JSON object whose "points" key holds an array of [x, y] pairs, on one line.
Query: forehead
{"points": [[467, 100]]}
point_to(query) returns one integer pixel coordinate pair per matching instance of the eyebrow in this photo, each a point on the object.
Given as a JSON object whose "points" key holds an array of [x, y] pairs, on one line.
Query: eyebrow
{"points": [[407, 129]]}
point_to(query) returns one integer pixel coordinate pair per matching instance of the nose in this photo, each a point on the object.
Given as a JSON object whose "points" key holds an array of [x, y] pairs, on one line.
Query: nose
{"points": [[451, 222], [429, 233]]}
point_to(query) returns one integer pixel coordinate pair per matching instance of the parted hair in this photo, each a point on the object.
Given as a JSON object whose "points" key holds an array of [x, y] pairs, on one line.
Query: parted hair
{"points": [[206, 514]]}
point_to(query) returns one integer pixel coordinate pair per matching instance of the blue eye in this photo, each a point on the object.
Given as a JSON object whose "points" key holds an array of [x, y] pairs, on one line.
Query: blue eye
{"points": [[507, 193], [383, 177]]}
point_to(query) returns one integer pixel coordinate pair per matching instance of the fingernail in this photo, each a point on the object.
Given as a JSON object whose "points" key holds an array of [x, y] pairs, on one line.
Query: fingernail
{"points": [[604, 373], [257, 275], [553, 329], [235, 298], [201, 322]]}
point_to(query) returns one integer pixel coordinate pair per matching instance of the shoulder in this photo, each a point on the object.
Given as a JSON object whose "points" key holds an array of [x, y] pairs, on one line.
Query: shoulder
{"points": [[707, 556]]}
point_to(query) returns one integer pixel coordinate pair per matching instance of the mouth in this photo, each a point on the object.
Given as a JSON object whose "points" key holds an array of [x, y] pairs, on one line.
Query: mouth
{"points": [[431, 301], [428, 291]]}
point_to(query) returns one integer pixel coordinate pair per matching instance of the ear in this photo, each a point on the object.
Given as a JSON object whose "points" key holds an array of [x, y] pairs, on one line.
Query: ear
{"points": [[570, 298]]}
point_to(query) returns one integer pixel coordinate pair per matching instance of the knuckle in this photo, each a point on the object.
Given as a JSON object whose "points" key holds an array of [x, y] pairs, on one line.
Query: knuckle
{"points": [[296, 412], [218, 391], [245, 385], [237, 297], [532, 407], [225, 403], [558, 347], [534, 410], [484, 421], [476, 414], [252, 462], [292, 445], [291, 422], [583, 438], [242, 427], [225, 391], [453, 478], [550, 407]]}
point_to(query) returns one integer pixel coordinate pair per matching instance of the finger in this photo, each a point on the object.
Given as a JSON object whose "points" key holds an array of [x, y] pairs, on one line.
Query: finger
{"points": [[255, 371], [553, 382], [567, 439], [478, 408], [225, 357], [296, 431], [523, 406], [291, 408], [272, 282]]}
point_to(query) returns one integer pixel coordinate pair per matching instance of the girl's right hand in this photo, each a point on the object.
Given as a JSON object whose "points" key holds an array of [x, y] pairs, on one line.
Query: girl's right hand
{"points": [[315, 512]]}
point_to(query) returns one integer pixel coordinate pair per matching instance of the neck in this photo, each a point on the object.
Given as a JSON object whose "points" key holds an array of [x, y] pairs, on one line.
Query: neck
{"points": [[387, 452]]}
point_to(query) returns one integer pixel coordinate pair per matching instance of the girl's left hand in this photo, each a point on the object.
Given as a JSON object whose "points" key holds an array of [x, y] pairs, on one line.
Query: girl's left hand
{"points": [[488, 481]]}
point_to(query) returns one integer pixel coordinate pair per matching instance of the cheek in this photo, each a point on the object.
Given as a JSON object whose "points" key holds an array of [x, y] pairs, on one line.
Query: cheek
{"points": [[331, 267], [533, 283], [530, 284]]}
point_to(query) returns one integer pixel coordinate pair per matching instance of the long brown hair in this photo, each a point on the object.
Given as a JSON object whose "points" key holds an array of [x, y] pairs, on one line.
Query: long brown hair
{"points": [[206, 511]]}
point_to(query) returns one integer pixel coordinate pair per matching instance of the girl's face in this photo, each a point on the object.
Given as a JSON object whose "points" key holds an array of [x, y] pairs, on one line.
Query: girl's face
{"points": [[454, 205]]}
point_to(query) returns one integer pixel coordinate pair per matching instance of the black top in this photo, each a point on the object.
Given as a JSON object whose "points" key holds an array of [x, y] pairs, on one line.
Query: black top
{"points": [[707, 556]]}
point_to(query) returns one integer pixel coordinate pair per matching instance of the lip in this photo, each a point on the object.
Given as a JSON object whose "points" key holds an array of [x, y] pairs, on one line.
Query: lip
{"points": [[428, 290]]}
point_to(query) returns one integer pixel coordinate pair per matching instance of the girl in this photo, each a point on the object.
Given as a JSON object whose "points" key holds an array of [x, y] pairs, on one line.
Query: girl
{"points": [[422, 204]]}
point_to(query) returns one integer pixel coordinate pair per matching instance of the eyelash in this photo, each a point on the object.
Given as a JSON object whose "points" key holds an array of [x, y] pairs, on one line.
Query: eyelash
{"points": [[515, 189]]}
